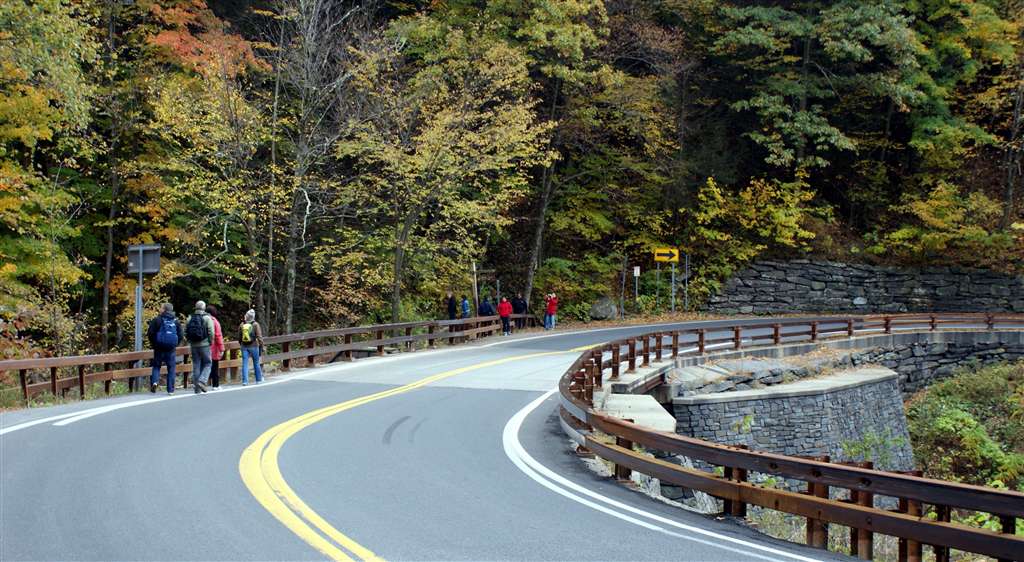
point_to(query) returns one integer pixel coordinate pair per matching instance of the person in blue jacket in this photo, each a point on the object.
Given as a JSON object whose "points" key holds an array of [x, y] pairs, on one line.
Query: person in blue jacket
{"points": [[164, 335]]}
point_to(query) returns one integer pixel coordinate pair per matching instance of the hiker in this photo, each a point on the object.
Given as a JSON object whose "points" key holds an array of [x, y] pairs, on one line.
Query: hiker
{"points": [[216, 348], [251, 337], [452, 306], [199, 333], [485, 308], [465, 307], [519, 307], [504, 311], [550, 311], [164, 335]]}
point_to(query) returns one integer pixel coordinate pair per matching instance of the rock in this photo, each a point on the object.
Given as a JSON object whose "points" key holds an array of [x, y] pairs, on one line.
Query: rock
{"points": [[604, 309], [860, 301]]}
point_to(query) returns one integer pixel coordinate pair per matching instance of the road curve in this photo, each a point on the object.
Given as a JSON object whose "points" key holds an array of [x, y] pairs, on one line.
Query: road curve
{"points": [[469, 464]]}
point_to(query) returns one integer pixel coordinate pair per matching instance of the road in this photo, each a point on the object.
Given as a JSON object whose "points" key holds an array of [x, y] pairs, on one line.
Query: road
{"points": [[452, 454]]}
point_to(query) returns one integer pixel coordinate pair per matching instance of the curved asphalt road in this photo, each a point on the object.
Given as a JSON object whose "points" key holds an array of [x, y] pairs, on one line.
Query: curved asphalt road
{"points": [[421, 475]]}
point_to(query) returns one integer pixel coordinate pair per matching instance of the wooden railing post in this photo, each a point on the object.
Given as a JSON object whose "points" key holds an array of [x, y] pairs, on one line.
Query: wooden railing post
{"points": [[107, 383], [588, 387], [408, 343], [657, 347], [1007, 526], [23, 378], [776, 334], [941, 552], [700, 341], [817, 530], [311, 344], [598, 371], [632, 356], [623, 472], [814, 331], [430, 336], [81, 382], [53, 381], [616, 351], [737, 338], [932, 323], [909, 549], [379, 335], [451, 329], [287, 363], [675, 344], [989, 322], [647, 351], [888, 324], [862, 541], [739, 508], [849, 327]]}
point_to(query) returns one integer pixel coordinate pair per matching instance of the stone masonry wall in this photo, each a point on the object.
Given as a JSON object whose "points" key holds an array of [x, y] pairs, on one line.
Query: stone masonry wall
{"points": [[811, 425], [772, 287]]}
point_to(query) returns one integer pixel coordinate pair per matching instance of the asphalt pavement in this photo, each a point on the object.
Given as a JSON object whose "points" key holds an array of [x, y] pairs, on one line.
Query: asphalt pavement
{"points": [[417, 473]]}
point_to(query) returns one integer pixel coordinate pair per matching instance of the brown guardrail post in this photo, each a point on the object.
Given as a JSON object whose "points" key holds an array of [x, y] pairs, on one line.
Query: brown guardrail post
{"points": [[817, 530], [814, 331], [287, 363], [379, 335], [941, 552], [888, 324], [53, 381], [989, 322], [647, 351], [862, 541], [700, 341], [675, 344], [931, 323], [311, 344], [107, 383], [1008, 526], [23, 377], [186, 358], [588, 387], [598, 370], [623, 472], [909, 549], [849, 327], [451, 329], [657, 347], [737, 338], [726, 502], [777, 333], [430, 336], [348, 352], [408, 343], [81, 382], [739, 508], [616, 351], [632, 356]]}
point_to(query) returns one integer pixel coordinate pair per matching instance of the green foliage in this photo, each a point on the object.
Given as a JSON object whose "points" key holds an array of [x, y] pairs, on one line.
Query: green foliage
{"points": [[970, 428], [873, 446]]}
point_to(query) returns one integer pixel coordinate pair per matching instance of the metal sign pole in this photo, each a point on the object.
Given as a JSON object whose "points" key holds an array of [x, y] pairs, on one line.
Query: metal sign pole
{"points": [[673, 286], [657, 283], [686, 284]]}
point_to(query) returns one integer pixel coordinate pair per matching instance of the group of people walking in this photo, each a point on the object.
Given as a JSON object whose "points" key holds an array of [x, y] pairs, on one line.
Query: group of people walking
{"points": [[202, 330], [504, 309]]}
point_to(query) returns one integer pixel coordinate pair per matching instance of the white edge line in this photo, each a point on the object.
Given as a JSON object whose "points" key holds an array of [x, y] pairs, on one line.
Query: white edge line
{"points": [[40, 421], [534, 469]]}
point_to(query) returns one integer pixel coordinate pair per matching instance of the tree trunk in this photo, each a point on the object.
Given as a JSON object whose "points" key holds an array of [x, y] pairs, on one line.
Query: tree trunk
{"points": [[545, 200], [1013, 158], [399, 270], [107, 271], [296, 226], [801, 148]]}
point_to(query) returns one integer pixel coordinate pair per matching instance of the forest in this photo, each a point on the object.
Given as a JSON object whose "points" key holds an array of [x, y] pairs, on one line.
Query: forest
{"points": [[331, 162]]}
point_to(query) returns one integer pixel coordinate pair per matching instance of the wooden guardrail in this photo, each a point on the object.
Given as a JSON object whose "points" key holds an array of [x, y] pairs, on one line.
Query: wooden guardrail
{"points": [[924, 505], [60, 374]]}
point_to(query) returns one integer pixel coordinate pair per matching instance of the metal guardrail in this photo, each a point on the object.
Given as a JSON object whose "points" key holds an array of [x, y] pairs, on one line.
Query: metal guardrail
{"points": [[911, 522], [341, 343]]}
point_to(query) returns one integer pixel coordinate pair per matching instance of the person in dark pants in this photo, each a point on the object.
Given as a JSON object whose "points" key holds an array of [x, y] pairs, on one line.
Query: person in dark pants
{"points": [[453, 306], [465, 307], [216, 347], [164, 335], [519, 307], [505, 311]]}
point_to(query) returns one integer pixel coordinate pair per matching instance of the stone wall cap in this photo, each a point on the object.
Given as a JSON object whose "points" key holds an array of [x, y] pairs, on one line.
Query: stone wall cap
{"points": [[833, 383]]}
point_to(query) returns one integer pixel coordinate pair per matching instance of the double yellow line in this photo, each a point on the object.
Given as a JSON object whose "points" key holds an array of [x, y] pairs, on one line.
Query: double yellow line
{"points": [[262, 475]]}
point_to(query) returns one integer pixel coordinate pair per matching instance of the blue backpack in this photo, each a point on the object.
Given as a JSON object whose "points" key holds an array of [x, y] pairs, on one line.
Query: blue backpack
{"points": [[168, 334]]}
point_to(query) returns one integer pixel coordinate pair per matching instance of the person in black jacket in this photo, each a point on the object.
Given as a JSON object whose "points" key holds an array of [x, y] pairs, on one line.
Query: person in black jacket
{"points": [[164, 335], [519, 307], [453, 306]]}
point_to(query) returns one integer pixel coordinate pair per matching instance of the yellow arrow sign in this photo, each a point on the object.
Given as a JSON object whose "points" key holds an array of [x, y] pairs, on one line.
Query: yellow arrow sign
{"points": [[666, 254]]}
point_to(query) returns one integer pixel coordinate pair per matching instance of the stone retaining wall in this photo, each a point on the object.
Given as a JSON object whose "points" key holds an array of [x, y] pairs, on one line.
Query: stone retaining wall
{"points": [[773, 287], [857, 407]]}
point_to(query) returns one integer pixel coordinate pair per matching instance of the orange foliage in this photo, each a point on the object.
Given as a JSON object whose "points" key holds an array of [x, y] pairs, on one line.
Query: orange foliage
{"points": [[196, 38]]}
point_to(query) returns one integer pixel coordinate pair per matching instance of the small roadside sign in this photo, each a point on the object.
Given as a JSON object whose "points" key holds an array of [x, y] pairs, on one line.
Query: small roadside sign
{"points": [[636, 271], [666, 255]]}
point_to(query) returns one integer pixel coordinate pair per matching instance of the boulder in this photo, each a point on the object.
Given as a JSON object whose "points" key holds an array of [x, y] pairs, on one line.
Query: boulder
{"points": [[604, 309]]}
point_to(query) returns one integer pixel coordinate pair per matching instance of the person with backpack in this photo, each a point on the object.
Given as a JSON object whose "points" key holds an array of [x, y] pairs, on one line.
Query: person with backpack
{"points": [[485, 308], [164, 335], [199, 332], [250, 335], [505, 312], [465, 307], [216, 348]]}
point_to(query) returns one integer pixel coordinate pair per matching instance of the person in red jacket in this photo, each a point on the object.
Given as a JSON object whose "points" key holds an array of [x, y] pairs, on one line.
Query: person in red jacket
{"points": [[505, 312], [550, 311]]}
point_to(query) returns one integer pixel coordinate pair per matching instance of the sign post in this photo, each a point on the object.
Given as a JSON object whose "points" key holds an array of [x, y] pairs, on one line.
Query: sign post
{"points": [[142, 259], [636, 284], [673, 286], [670, 255], [686, 284]]}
